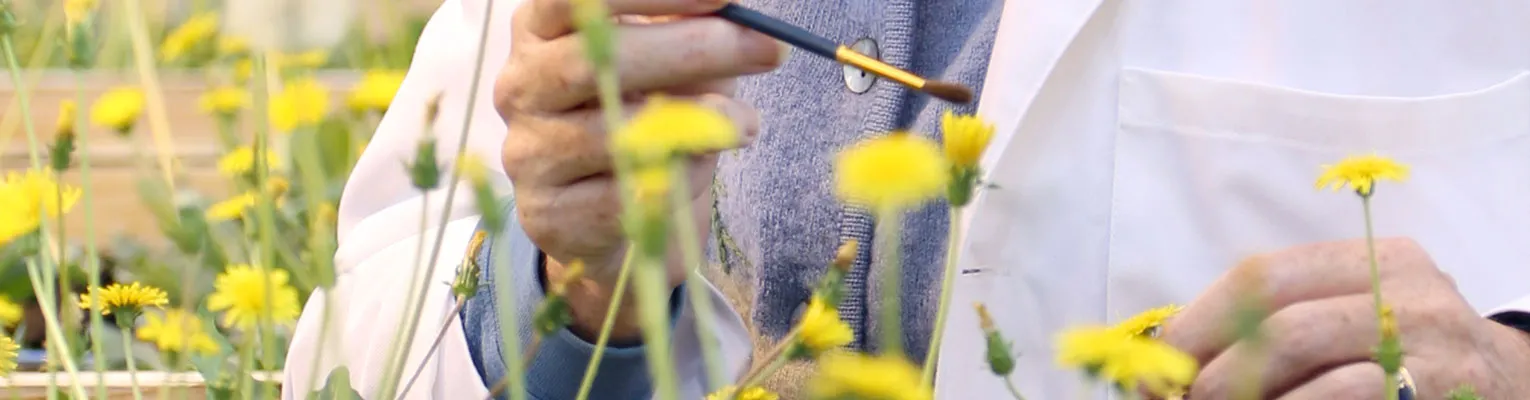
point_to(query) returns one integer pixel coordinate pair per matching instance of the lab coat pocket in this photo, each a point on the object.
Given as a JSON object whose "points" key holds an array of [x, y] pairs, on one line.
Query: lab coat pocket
{"points": [[1209, 171]]}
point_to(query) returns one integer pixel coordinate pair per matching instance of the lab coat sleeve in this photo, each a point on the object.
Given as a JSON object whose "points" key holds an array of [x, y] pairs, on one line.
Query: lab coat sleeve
{"points": [[352, 323], [558, 367]]}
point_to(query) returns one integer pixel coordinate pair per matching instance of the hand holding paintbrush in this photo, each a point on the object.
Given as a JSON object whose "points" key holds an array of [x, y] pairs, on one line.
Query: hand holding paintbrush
{"points": [[824, 47]]}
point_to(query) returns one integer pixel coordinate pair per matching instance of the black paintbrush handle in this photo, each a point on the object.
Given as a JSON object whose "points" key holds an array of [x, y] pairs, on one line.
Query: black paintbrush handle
{"points": [[779, 29]]}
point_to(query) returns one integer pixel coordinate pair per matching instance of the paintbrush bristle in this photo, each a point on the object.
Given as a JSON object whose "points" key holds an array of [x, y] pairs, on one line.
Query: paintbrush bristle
{"points": [[948, 91]]}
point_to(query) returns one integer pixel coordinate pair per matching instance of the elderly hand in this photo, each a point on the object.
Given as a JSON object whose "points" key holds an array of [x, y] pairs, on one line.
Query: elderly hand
{"points": [[1321, 328], [555, 149]]}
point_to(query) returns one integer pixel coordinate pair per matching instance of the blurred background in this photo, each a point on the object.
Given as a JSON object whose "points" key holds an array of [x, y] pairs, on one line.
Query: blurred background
{"points": [[162, 231]]}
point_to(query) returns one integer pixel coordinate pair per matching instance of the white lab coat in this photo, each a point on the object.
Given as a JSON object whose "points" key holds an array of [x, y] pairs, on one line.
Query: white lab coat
{"points": [[1142, 148]]}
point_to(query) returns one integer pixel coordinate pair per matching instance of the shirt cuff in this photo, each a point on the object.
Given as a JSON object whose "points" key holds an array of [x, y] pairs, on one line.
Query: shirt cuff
{"points": [[1516, 315], [557, 369]]}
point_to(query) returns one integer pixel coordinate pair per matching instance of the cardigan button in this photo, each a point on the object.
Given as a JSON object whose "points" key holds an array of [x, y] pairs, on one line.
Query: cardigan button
{"points": [[858, 80]]}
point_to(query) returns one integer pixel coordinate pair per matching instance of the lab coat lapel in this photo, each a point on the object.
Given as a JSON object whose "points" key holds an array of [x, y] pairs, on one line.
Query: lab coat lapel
{"points": [[1032, 36], [1031, 39]]}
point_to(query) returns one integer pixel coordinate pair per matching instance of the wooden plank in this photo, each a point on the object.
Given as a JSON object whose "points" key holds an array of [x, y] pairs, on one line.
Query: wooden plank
{"points": [[34, 385], [119, 162]]}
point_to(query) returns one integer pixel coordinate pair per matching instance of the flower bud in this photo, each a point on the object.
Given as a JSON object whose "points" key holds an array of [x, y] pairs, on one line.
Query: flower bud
{"points": [[844, 258], [424, 173], [62, 149], [1000, 356], [466, 283], [1389, 352]]}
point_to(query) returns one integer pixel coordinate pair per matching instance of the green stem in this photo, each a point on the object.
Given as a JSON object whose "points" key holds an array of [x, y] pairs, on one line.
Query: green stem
{"points": [[52, 356], [891, 323], [399, 354], [127, 350], [612, 309], [1009, 383], [775, 365], [1370, 247], [310, 170], [92, 257], [265, 213], [143, 60], [1390, 382], [509, 324], [954, 236], [247, 369], [696, 285], [467, 123], [226, 134], [34, 152], [778, 358], [434, 344], [653, 293], [54, 333]]}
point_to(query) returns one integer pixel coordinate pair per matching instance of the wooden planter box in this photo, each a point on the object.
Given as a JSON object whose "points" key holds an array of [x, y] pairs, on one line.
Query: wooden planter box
{"points": [[115, 164], [34, 385]]}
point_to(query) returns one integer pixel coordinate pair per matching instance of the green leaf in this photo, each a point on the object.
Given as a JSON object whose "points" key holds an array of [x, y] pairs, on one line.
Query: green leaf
{"points": [[336, 386], [333, 139], [212, 367]]}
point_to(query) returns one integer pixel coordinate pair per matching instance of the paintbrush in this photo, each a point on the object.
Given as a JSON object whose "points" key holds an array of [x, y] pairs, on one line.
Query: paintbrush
{"points": [[949, 91]]}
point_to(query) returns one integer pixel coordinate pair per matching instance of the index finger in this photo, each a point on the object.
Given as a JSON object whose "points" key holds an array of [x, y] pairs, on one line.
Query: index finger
{"points": [[550, 19], [1262, 285]]}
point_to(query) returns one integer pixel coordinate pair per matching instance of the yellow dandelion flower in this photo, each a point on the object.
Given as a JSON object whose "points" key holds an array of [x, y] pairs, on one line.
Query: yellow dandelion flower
{"points": [[651, 186], [8, 353], [184, 39], [473, 169], [67, 112], [311, 59], [118, 109], [1126, 360], [243, 70], [177, 330], [752, 393], [301, 103], [844, 375], [327, 214], [821, 329], [233, 46], [1388, 322], [1148, 321], [667, 127], [26, 198], [10, 313], [1361, 173], [248, 295], [376, 90], [241, 161], [231, 209], [123, 299], [75, 11], [966, 137], [1088, 346], [224, 101], [277, 186], [891, 173], [1162, 369]]}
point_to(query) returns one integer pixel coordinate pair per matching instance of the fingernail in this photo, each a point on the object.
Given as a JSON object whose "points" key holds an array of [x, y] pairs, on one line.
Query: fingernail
{"points": [[786, 52], [761, 49]]}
